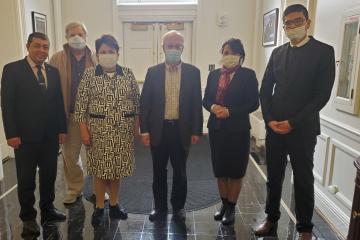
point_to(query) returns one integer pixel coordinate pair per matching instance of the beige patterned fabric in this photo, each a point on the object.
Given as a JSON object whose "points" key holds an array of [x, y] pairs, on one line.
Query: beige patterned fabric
{"points": [[172, 92], [109, 106]]}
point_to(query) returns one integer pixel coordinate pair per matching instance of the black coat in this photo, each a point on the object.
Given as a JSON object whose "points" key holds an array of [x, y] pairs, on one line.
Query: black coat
{"points": [[152, 103], [297, 84], [28, 112], [241, 98]]}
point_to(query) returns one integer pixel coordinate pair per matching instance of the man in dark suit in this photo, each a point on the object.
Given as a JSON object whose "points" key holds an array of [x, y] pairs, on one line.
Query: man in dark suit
{"points": [[296, 86], [34, 123], [170, 120]]}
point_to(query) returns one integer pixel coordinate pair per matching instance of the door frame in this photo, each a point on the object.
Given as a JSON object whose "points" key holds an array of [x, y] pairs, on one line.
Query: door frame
{"points": [[156, 13]]}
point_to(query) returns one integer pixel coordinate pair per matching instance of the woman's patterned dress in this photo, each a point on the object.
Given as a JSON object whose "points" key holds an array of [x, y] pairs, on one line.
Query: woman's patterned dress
{"points": [[109, 106]]}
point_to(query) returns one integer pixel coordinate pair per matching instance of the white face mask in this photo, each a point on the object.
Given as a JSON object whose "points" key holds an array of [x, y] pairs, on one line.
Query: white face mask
{"points": [[108, 61], [77, 42], [230, 61], [296, 33]]}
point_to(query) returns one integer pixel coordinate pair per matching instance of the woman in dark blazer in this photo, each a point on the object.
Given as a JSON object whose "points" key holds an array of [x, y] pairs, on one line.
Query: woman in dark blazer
{"points": [[231, 94]]}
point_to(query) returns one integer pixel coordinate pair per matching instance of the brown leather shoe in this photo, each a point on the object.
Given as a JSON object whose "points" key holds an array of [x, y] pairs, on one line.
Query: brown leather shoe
{"points": [[305, 236], [266, 228]]}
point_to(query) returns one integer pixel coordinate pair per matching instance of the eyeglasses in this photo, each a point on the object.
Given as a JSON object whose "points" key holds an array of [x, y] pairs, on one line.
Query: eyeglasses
{"points": [[294, 23], [173, 46]]}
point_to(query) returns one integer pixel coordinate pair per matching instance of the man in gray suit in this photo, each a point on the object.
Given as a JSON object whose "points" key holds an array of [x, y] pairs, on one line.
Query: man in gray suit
{"points": [[170, 120]]}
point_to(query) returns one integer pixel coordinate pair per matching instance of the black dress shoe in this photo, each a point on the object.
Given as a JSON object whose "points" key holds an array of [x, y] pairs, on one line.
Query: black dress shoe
{"points": [[97, 217], [179, 215], [30, 229], [52, 215], [229, 216], [219, 214], [158, 215], [117, 213]]}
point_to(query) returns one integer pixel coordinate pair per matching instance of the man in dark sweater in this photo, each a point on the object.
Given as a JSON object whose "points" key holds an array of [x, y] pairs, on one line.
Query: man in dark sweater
{"points": [[296, 86]]}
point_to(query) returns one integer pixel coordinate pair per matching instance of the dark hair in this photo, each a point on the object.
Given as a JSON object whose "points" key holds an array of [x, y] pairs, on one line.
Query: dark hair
{"points": [[236, 47], [37, 35], [296, 8], [108, 40]]}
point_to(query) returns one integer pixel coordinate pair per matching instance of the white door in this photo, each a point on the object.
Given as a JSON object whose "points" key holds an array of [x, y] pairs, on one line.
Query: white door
{"points": [[143, 46], [140, 48]]}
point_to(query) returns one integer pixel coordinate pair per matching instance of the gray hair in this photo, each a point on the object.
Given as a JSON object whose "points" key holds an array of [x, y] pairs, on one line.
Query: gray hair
{"points": [[170, 34], [74, 25]]}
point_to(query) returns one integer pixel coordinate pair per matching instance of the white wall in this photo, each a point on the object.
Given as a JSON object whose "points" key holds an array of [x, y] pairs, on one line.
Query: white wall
{"points": [[339, 144], [97, 16], [262, 54], [11, 49], [43, 7], [329, 14], [210, 37]]}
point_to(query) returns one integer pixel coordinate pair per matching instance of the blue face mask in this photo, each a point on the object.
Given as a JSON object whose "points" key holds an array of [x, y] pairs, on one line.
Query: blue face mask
{"points": [[172, 56]]}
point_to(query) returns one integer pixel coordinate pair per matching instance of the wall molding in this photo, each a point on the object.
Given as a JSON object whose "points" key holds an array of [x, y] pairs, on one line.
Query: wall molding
{"points": [[337, 217], [337, 145], [320, 177], [341, 128], [343, 140], [20, 22], [58, 28], [149, 13]]}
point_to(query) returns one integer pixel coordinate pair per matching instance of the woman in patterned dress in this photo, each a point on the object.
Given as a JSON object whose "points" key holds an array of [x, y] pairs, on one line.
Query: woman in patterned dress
{"points": [[107, 110]]}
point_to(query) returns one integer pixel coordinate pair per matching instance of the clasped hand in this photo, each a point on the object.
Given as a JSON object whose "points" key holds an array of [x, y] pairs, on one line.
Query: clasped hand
{"points": [[220, 111], [282, 127]]}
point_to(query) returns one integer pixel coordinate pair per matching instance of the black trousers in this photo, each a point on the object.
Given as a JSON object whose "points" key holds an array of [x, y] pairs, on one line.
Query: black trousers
{"points": [[171, 148], [28, 157], [301, 151]]}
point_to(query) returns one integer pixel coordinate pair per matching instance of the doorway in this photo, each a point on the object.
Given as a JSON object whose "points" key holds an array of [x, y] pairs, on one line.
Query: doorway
{"points": [[143, 46]]}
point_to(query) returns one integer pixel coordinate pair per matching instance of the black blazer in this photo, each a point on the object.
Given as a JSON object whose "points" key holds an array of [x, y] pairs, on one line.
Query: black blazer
{"points": [[28, 112], [152, 103], [241, 98], [297, 88]]}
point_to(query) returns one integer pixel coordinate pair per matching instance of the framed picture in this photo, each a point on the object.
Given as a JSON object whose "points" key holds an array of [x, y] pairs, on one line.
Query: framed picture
{"points": [[270, 27], [39, 22]]}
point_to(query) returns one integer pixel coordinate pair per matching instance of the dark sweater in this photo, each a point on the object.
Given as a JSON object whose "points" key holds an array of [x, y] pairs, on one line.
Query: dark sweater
{"points": [[297, 84]]}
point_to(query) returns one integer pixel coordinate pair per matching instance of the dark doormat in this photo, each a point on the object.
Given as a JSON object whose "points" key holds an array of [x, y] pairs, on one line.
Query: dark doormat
{"points": [[136, 191]]}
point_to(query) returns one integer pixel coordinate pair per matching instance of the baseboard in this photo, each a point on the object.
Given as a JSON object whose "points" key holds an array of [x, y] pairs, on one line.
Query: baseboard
{"points": [[334, 215]]}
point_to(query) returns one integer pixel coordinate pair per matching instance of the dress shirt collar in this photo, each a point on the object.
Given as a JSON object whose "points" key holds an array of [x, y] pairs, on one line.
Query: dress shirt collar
{"points": [[33, 64]]}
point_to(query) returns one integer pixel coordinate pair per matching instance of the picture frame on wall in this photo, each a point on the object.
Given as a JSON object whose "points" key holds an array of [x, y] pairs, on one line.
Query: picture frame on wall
{"points": [[39, 23], [270, 27]]}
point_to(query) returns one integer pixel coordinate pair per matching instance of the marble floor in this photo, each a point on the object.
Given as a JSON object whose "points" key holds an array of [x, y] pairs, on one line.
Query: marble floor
{"points": [[199, 225]]}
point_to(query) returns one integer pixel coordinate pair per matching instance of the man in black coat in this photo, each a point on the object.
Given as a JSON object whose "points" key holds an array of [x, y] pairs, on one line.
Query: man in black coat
{"points": [[34, 123], [170, 120], [296, 86]]}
